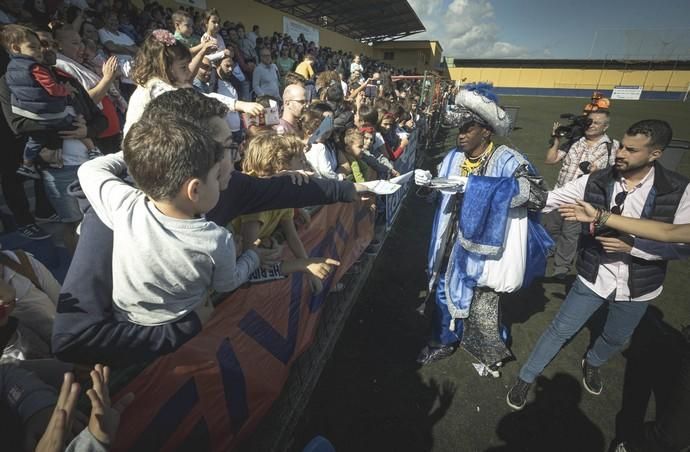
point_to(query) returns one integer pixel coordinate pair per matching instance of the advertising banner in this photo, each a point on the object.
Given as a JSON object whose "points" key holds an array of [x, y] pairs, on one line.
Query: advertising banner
{"points": [[627, 92], [295, 28], [212, 392]]}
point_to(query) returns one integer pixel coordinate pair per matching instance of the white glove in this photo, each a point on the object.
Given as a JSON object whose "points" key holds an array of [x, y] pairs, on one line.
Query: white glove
{"points": [[422, 177]]}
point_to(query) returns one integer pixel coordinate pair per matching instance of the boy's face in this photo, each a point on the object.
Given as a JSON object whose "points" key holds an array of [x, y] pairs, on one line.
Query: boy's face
{"points": [[90, 32], [297, 163], [208, 191], [220, 131], [204, 72], [185, 27], [356, 148], [30, 48]]}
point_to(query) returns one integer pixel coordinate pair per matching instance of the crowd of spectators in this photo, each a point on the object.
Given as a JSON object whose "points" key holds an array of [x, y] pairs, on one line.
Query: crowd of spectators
{"points": [[130, 122]]}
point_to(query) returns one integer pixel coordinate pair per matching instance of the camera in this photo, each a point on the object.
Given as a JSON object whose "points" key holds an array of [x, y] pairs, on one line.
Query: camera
{"points": [[585, 167], [573, 131]]}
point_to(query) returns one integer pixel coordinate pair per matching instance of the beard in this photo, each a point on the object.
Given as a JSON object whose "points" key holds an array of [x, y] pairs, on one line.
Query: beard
{"points": [[623, 166]]}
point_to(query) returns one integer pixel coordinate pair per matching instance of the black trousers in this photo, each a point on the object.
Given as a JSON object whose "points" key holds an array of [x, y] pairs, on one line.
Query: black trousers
{"points": [[13, 185]]}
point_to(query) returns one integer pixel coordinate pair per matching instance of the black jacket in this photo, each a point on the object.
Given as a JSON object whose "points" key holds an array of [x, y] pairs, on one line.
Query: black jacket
{"points": [[661, 205]]}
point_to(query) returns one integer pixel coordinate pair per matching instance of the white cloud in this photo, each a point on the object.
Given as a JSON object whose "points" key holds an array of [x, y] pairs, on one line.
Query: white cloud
{"points": [[465, 28]]}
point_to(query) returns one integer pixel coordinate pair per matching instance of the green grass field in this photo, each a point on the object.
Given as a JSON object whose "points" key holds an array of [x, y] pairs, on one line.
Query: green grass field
{"points": [[371, 396], [537, 114]]}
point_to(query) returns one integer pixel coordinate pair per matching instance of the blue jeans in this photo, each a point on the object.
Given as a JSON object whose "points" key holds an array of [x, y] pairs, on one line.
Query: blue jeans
{"points": [[56, 181], [578, 307], [33, 145]]}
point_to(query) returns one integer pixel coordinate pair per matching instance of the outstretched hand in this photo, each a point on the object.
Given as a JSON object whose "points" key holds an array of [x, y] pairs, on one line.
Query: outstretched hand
{"points": [[105, 417], [58, 430], [422, 177], [583, 212], [298, 177]]}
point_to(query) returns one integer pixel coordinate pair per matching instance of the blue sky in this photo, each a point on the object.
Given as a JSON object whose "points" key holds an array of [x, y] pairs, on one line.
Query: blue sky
{"points": [[645, 29]]}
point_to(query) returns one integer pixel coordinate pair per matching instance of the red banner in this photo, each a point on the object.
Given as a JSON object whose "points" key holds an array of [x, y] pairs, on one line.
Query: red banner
{"points": [[213, 391]]}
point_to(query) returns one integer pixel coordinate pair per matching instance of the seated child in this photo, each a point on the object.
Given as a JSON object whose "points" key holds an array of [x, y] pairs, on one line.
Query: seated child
{"points": [[36, 94], [166, 255], [354, 167], [268, 154], [321, 156], [366, 117]]}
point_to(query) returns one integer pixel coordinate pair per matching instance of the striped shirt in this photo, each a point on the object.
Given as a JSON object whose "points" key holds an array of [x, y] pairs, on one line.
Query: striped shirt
{"points": [[580, 152]]}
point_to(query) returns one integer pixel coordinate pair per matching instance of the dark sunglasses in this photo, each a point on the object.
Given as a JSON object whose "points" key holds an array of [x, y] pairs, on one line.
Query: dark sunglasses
{"points": [[619, 200]]}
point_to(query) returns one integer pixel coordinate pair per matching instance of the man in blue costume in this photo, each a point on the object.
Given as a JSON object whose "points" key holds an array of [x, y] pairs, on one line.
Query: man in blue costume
{"points": [[486, 237]]}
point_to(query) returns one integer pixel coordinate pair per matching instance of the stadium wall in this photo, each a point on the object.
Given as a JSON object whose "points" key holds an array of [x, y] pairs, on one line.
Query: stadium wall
{"points": [[670, 84], [251, 13]]}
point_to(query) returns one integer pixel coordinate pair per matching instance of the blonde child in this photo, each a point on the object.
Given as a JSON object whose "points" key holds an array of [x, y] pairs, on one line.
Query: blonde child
{"points": [[354, 167], [267, 155]]}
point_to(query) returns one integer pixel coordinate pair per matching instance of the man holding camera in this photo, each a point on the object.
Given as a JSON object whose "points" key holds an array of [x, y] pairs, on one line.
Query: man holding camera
{"points": [[622, 272], [591, 152]]}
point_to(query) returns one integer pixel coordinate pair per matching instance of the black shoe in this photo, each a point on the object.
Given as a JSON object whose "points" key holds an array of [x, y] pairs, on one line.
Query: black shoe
{"points": [[430, 354], [591, 378], [33, 232], [517, 396], [54, 218]]}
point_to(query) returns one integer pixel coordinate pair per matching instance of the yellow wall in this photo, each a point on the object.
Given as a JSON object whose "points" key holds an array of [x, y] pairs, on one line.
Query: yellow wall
{"points": [[422, 56], [270, 20], [407, 58], [661, 80]]}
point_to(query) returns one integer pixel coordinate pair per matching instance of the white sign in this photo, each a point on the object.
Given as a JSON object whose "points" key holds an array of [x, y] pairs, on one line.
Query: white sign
{"points": [[201, 4], [294, 29], [627, 92]]}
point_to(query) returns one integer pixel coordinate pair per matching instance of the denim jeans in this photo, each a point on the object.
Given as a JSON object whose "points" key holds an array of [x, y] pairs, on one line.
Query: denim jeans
{"points": [[56, 181], [579, 305]]}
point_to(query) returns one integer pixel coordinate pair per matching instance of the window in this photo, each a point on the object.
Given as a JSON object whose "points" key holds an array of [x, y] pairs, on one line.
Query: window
{"points": [[388, 55]]}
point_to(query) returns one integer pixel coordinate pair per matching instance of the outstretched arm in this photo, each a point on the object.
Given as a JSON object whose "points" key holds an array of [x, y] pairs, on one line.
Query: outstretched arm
{"points": [[246, 194], [647, 229]]}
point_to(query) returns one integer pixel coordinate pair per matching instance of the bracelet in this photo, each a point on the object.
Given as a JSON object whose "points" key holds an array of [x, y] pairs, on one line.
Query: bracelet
{"points": [[595, 222], [600, 220], [604, 218]]}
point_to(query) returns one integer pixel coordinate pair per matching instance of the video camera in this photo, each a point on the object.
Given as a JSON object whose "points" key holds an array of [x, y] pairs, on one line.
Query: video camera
{"points": [[573, 131]]}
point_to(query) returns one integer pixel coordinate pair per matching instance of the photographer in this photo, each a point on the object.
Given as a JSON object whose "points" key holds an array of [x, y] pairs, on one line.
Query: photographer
{"points": [[588, 149]]}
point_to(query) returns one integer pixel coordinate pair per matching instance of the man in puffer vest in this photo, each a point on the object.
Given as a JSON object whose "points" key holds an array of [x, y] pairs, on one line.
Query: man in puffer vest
{"points": [[615, 269]]}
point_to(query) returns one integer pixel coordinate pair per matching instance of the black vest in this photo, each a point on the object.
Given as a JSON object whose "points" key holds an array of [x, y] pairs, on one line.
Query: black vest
{"points": [[661, 205]]}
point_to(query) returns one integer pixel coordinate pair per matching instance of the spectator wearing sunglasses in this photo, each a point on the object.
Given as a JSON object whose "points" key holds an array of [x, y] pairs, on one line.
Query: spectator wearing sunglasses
{"points": [[621, 271]]}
